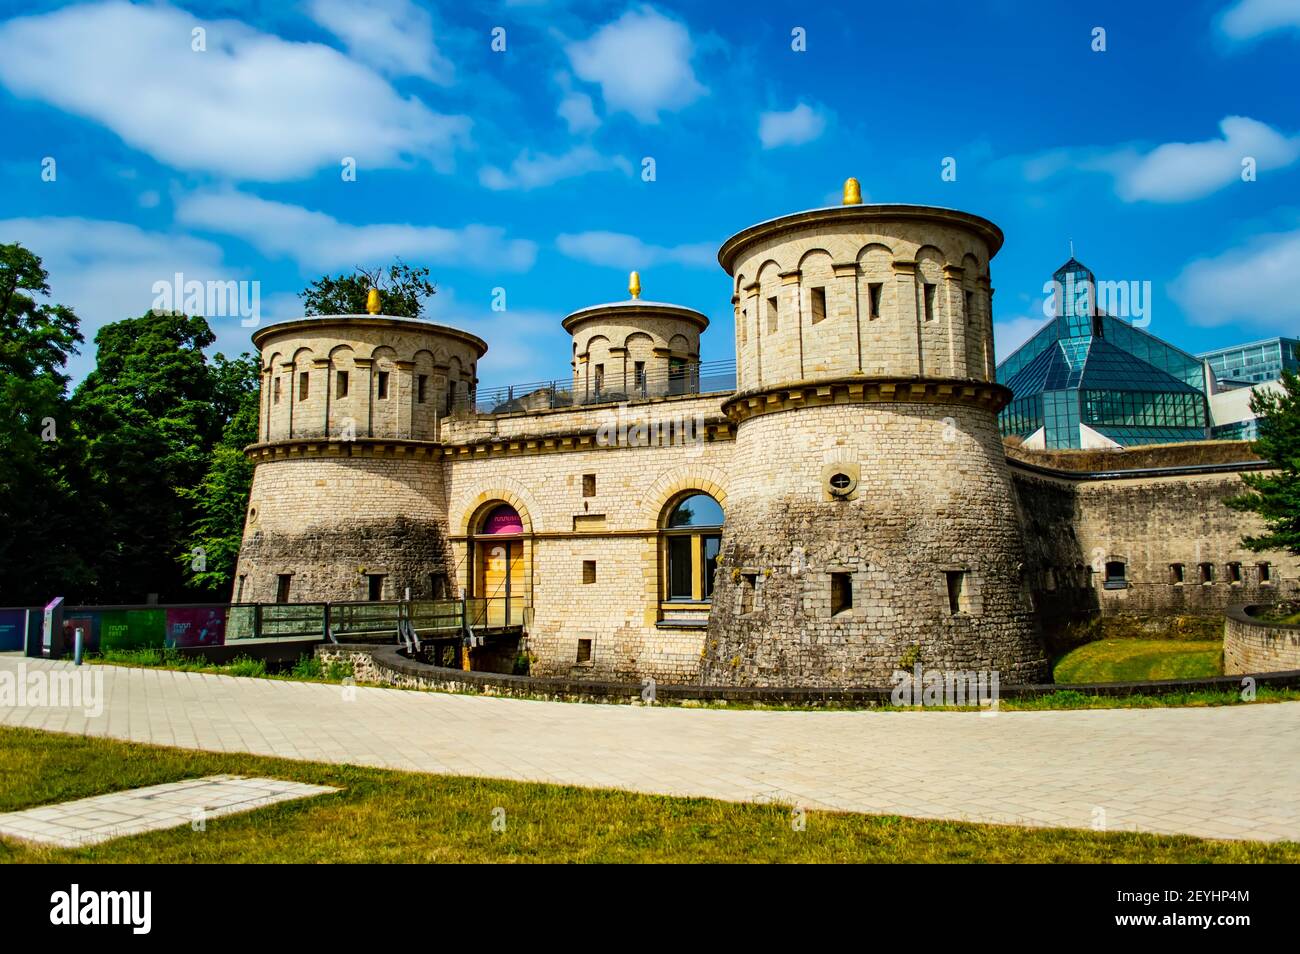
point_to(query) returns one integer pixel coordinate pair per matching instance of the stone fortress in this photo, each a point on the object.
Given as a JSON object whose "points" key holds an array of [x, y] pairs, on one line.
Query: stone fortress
{"points": [[843, 507]]}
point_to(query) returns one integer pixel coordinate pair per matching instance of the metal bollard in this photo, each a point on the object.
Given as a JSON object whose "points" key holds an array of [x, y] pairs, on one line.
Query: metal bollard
{"points": [[76, 646]]}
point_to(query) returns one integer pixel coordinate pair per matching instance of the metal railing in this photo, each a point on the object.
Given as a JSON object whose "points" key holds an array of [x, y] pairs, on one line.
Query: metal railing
{"points": [[703, 377], [496, 612]]}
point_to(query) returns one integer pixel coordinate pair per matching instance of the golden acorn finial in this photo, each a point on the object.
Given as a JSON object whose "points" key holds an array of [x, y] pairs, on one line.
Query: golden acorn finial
{"points": [[372, 301], [634, 285], [852, 191]]}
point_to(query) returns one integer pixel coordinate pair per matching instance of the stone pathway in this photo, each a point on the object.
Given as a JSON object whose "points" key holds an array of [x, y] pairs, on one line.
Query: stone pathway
{"points": [[1228, 772], [89, 821]]}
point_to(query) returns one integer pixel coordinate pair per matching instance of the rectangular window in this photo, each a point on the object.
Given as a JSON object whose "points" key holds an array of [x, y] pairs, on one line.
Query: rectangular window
{"points": [[374, 587], [771, 315], [968, 306], [383, 385], [451, 396], [1265, 572], [956, 580], [584, 652], [841, 593], [600, 378], [588, 571], [874, 291], [1176, 572], [421, 384], [818, 297], [1234, 572], [678, 376], [709, 547], [638, 376], [929, 301], [304, 377], [275, 392], [239, 596], [438, 586], [1207, 572], [680, 583], [282, 584], [748, 584], [1116, 576], [1049, 579], [589, 485], [341, 384]]}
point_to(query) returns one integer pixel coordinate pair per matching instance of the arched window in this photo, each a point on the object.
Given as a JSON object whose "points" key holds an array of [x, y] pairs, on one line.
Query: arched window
{"points": [[691, 539]]}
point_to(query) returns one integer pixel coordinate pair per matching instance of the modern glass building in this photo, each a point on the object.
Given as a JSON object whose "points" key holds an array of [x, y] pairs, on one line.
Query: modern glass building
{"points": [[1256, 361], [1087, 379]]}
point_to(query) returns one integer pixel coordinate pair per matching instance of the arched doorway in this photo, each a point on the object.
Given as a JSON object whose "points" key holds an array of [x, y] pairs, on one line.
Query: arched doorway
{"points": [[499, 577]]}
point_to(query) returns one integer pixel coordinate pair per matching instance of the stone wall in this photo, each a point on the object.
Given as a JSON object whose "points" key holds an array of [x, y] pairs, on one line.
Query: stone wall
{"points": [[332, 521], [1250, 645], [1074, 527], [932, 498]]}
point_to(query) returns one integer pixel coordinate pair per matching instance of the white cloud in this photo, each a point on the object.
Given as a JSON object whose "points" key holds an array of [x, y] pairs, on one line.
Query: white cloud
{"points": [[1248, 19], [530, 171], [1010, 333], [627, 251], [1253, 284], [1178, 171], [642, 62], [1172, 172], [251, 106], [105, 271], [317, 240], [791, 128], [393, 36], [575, 107]]}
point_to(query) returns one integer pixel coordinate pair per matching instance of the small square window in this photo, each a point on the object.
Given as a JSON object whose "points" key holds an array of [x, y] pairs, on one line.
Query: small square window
{"points": [[956, 580], [1176, 573], [841, 593], [374, 587], [1265, 572], [818, 297], [589, 485], [874, 292], [1207, 572], [1234, 573], [1116, 575], [588, 571]]}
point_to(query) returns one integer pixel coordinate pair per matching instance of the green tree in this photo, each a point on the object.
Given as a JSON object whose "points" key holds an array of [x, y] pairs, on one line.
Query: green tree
{"points": [[1275, 495], [40, 527], [402, 292], [221, 497], [148, 420]]}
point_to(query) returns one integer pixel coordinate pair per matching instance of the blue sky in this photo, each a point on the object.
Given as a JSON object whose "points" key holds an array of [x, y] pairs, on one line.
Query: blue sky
{"points": [[522, 169]]}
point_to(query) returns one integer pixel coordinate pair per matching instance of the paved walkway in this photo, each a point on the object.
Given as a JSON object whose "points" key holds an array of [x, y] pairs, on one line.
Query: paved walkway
{"points": [[1231, 772]]}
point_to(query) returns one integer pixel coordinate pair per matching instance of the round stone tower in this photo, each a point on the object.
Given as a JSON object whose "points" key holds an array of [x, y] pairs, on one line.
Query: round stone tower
{"points": [[348, 501], [634, 348], [871, 522]]}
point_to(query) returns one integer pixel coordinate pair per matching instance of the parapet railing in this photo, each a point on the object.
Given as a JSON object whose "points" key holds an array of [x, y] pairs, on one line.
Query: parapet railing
{"points": [[194, 625], [699, 377]]}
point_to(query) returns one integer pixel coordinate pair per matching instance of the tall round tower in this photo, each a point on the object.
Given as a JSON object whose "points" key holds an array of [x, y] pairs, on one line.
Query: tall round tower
{"points": [[871, 521], [348, 499]]}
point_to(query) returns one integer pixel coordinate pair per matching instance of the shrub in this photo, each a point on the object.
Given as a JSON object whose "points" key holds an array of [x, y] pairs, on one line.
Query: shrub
{"points": [[308, 667]]}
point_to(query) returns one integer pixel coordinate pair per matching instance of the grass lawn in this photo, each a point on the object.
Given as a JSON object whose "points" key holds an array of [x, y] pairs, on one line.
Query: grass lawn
{"points": [[1126, 660], [385, 816]]}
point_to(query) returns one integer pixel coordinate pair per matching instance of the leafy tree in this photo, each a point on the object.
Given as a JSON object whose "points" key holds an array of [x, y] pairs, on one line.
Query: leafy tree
{"points": [[1275, 496], [40, 530], [148, 421], [221, 497], [402, 292]]}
